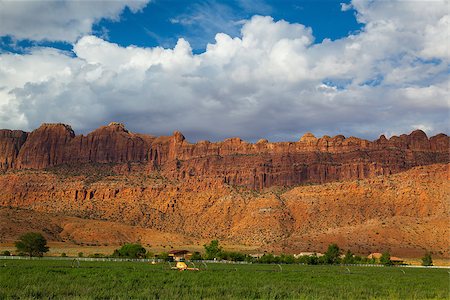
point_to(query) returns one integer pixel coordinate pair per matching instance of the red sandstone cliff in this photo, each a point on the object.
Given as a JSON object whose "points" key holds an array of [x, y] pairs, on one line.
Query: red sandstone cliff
{"points": [[11, 142], [223, 190], [405, 212], [233, 161]]}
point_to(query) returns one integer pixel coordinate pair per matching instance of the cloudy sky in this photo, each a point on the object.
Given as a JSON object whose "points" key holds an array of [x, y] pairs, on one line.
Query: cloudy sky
{"points": [[215, 69]]}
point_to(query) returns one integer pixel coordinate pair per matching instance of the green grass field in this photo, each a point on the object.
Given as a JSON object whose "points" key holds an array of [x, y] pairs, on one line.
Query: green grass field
{"points": [[124, 280]]}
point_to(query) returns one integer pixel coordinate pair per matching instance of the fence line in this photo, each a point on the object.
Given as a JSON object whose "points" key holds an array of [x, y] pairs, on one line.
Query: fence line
{"points": [[205, 261], [83, 258]]}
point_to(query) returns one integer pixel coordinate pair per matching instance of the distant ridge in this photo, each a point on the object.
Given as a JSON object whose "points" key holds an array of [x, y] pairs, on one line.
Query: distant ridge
{"points": [[232, 161]]}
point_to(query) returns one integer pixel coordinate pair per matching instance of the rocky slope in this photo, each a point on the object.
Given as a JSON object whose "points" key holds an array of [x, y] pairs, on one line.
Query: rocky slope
{"points": [[233, 161], [285, 196], [82, 232], [406, 212]]}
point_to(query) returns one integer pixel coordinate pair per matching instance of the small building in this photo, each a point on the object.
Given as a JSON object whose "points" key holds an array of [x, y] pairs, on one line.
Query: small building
{"points": [[256, 255], [308, 254], [180, 255], [375, 255], [397, 261]]}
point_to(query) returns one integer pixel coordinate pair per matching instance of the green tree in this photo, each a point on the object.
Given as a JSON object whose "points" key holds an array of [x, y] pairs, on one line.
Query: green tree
{"points": [[32, 243], [130, 251], [332, 254], [427, 260], [308, 259], [385, 259], [212, 250]]}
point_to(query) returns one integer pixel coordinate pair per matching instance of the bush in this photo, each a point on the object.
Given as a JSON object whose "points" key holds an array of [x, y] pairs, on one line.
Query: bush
{"points": [[385, 259], [80, 254], [268, 259], [130, 251], [63, 254], [32, 243], [308, 259], [231, 256], [349, 258], [427, 260], [6, 253], [287, 259]]}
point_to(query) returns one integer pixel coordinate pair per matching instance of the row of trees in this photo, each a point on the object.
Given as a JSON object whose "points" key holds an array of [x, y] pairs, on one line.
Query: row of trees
{"points": [[34, 244], [333, 255]]}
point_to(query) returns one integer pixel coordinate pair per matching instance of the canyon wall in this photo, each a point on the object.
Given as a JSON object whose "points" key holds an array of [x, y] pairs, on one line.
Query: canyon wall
{"points": [[233, 161], [405, 212]]}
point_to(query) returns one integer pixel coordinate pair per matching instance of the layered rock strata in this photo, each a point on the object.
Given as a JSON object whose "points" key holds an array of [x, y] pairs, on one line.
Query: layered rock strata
{"points": [[233, 161], [405, 212]]}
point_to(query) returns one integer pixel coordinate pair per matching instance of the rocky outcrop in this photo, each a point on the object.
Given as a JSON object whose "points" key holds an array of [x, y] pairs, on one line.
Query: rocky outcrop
{"points": [[11, 142], [55, 144], [232, 161], [310, 160]]}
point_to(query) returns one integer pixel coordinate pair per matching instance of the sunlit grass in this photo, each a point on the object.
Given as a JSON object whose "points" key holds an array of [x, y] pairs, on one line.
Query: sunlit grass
{"points": [[124, 280]]}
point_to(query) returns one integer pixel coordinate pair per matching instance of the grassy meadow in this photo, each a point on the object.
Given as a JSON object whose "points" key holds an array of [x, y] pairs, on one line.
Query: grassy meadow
{"points": [[26, 279]]}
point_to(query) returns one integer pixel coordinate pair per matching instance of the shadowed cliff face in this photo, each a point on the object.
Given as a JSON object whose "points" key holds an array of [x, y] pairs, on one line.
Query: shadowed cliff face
{"points": [[233, 161], [11, 142]]}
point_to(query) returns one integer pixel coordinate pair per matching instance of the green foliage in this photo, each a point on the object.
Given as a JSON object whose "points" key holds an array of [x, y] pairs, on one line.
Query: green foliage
{"points": [[231, 256], [196, 256], [6, 253], [309, 259], [332, 254], [385, 259], [287, 259], [212, 250], [361, 260], [349, 258], [268, 259], [32, 243], [80, 254], [164, 256], [63, 254], [427, 259], [150, 254], [130, 251]]}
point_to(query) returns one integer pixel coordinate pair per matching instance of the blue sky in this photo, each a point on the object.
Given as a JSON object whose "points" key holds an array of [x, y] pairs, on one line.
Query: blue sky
{"points": [[213, 69], [164, 21]]}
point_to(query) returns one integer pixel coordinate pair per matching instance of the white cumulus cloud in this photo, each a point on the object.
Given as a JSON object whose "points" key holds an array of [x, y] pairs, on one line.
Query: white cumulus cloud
{"points": [[272, 81], [58, 20]]}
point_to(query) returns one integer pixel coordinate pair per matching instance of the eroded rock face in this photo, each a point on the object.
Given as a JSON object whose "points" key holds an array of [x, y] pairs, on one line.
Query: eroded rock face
{"points": [[55, 144], [386, 212], [45, 146], [233, 161], [10, 143]]}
